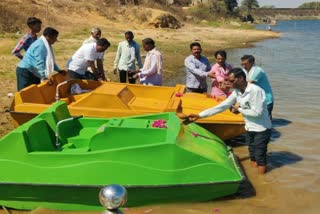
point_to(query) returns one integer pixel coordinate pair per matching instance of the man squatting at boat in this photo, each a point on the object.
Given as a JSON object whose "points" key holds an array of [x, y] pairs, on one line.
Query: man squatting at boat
{"points": [[250, 100]]}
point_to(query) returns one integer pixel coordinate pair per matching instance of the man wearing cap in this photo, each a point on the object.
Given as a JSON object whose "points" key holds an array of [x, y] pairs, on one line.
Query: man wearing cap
{"points": [[127, 54]]}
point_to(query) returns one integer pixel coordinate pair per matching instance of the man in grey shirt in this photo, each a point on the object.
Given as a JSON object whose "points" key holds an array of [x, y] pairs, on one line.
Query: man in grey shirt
{"points": [[127, 54], [197, 70]]}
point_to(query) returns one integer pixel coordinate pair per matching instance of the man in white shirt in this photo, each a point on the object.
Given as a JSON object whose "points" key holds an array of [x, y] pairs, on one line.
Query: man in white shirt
{"points": [[151, 72], [127, 54], [85, 57], [250, 100]]}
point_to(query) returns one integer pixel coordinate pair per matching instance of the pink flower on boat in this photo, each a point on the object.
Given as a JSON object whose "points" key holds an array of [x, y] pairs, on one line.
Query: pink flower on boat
{"points": [[179, 94], [159, 124]]}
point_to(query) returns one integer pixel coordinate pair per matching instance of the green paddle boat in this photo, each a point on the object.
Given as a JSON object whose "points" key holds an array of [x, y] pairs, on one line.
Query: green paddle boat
{"points": [[61, 162]]}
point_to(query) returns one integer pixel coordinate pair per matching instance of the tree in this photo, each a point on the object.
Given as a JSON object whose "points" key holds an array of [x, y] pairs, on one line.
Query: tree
{"points": [[315, 5], [230, 5], [248, 5], [268, 6]]}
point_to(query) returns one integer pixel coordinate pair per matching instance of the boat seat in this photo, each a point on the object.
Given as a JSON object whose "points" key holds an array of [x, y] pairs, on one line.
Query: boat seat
{"points": [[31, 94], [53, 117], [39, 136]]}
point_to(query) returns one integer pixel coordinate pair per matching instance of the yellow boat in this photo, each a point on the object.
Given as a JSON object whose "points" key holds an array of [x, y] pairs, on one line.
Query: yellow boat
{"points": [[110, 99]]}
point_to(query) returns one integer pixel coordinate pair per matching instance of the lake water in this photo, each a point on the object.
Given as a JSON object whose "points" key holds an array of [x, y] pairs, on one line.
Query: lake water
{"points": [[292, 185]]}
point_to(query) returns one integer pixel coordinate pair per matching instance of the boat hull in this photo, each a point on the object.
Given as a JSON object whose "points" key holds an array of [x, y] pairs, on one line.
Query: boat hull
{"points": [[81, 198]]}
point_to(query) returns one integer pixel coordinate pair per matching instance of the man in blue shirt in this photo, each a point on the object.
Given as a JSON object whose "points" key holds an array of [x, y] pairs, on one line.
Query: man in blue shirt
{"points": [[197, 70], [38, 62], [256, 75]]}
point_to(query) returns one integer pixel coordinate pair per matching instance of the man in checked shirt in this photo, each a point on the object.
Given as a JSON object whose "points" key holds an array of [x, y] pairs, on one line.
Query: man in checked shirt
{"points": [[34, 25]]}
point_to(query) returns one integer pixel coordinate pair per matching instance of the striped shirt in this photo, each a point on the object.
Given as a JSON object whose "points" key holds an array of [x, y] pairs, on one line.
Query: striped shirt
{"points": [[24, 44]]}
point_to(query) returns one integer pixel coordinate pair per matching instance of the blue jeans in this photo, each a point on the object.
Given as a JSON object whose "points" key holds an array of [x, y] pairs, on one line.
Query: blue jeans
{"points": [[25, 78], [258, 146], [87, 76]]}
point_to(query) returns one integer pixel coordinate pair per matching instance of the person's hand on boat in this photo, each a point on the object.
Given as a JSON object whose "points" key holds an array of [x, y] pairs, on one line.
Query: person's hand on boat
{"points": [[193, 117], [234, 108], [47, 81], [182, 115]]}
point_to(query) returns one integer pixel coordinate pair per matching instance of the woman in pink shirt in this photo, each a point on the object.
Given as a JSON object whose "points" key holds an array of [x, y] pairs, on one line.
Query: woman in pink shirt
{"points": [[220, 69]]}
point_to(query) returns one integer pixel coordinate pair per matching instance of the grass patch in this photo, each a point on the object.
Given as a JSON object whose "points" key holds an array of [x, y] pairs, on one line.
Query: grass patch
{"points": [[214, 24]]}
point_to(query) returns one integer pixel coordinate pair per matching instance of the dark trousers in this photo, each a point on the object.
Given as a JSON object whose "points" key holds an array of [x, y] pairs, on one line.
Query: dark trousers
{"points": [[25, 78], [123, 77], [197, 90], [270, 108], [258, 146], [87, 76]]}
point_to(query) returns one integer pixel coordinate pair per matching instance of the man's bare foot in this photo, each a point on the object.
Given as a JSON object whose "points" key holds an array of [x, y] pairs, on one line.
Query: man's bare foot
{"points": [[253, 164], [262, 169]]}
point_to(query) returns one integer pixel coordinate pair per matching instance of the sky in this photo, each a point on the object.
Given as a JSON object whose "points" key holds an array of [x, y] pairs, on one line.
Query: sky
{"points": [[284, 3]]}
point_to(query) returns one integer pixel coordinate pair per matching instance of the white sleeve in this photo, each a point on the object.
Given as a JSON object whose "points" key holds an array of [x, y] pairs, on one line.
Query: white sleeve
{"points": [[220, 107], [153, 67]]}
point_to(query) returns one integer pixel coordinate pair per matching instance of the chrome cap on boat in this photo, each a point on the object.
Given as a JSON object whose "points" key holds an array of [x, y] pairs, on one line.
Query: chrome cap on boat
{"points": [[113, 196]]}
